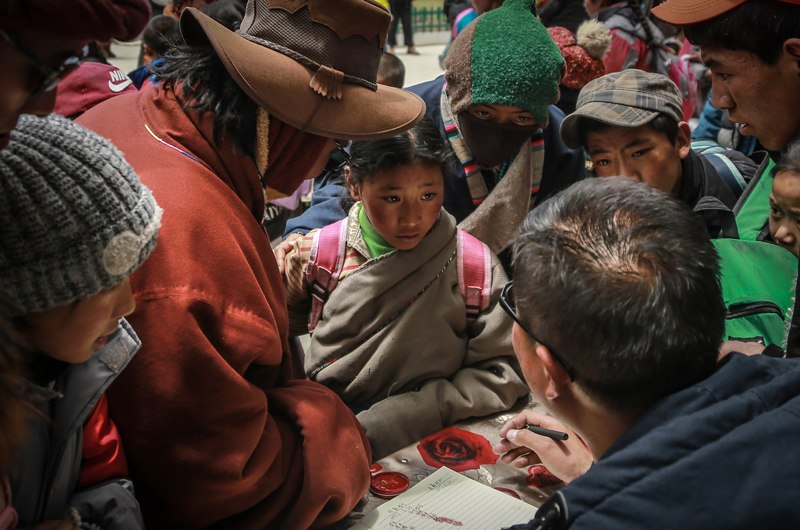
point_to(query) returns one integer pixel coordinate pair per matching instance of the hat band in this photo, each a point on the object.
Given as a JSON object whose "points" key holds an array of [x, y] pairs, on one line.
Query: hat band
{"points": [[305, 61]]}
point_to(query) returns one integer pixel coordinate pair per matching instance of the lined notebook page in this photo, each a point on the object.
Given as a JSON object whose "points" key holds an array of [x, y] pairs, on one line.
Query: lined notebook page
{"points": [[447, 500]]}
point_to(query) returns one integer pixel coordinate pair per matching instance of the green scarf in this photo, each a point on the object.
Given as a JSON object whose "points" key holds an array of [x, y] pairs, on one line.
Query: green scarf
{"points": [[376, 244]]}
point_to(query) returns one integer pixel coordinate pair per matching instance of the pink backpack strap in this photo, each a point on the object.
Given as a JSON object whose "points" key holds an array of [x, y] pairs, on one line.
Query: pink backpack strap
{"points": [[324, 266], [474, 274]]}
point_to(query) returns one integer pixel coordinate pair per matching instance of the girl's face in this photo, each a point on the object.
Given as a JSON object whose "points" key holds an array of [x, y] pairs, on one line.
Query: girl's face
{"points": [[784, 211], [402, 202], [72, 332]]}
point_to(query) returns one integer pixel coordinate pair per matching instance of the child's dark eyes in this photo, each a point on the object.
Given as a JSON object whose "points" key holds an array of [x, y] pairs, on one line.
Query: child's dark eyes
{"points": [[639, 153], [428, 196], [601, 162], [392, 198]]}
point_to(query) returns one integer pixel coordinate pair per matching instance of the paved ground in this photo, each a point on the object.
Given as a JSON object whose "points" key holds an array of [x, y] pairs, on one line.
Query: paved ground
{"points": [[422, 67], [419, 68]]}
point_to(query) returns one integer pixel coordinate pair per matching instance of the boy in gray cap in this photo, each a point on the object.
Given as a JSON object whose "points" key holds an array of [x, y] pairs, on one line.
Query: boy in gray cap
{"points": [[75, 223], [630, 123]]}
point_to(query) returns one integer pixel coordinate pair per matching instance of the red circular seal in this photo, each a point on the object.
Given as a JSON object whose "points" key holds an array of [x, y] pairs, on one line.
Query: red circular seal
{"points": [[457, 449], [540, 477], [389, 484], [510, 492], [374, 468]]}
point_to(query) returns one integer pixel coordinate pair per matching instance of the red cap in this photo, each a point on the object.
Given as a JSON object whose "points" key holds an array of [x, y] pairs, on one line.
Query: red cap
{"points": [[100, 20], [88, 85], [683, 12]]}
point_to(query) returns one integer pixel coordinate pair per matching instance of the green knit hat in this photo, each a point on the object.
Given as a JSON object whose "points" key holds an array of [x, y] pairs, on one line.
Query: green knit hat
{"points": [[505, 57]]}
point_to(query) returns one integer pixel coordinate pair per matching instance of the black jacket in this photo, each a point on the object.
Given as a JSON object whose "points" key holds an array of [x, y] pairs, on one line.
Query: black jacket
{"points": [[720, 454], [701, 179]]}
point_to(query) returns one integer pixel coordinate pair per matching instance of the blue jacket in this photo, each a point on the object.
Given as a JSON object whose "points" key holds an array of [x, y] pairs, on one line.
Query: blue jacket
{"points": [[562, 168], [720, 454], [140, 75]]}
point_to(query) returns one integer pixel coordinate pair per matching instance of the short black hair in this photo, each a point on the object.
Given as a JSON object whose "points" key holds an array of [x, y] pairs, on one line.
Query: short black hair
{"points": [[226, 13], [161, 33], [756, 26], [790, 160], [206, 86], [662, 124], [422, 143], [622, 281], [392, 70]]}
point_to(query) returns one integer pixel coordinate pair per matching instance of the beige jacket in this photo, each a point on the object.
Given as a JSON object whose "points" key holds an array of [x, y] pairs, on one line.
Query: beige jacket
{"points": [[416, 368]]}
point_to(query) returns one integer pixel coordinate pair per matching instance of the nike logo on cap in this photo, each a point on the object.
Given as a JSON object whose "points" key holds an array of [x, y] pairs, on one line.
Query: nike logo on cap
{"points": [[119, 81]]}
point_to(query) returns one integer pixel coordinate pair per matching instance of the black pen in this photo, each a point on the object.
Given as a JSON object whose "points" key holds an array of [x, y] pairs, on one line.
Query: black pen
{"points": [[555, 435]]}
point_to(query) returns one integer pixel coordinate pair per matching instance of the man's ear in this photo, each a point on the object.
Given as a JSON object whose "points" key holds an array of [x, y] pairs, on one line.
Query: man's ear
{"points": [[355, 193], [791, 47], [684, 139], [557, 376]]}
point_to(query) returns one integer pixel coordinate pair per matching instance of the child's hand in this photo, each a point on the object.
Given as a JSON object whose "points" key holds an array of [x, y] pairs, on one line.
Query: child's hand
{"points": [[284, 247], [567, 460]]}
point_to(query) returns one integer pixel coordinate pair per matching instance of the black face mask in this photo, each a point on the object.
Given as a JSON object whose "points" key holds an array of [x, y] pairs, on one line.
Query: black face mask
{"points": [[492, 143]]}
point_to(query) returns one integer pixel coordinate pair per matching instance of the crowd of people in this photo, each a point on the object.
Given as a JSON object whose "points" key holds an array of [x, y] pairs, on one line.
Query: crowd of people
{"points": [[470, 243]]}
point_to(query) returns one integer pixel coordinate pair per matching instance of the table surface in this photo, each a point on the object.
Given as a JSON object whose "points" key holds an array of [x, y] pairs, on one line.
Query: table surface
{"points": [[411, 462]]}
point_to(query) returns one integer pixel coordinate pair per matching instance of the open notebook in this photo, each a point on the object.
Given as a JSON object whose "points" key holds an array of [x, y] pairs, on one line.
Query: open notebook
{"points": [[446, 500]]}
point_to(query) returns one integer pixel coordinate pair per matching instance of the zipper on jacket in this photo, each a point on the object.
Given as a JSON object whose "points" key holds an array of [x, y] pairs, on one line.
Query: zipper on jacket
{"points": [[753, 308]]}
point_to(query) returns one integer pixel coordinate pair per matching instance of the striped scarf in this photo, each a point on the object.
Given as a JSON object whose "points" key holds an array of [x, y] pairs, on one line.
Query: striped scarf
{"points": [[475, 181]]}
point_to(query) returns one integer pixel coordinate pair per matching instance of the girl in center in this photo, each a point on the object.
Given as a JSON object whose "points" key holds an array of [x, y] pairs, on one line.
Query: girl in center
{"points": [[394, 339]]}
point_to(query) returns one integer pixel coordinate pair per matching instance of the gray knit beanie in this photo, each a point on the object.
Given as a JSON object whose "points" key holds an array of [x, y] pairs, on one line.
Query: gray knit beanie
{"points": [[74, 218]]}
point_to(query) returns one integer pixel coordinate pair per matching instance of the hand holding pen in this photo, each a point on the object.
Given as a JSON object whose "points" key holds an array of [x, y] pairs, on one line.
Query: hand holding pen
{"points": [[553, 435], [533, 438]]}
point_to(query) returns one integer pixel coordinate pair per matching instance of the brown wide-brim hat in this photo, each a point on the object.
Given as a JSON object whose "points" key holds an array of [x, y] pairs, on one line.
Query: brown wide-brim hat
{"points": [[684, 12], [315, 68]]}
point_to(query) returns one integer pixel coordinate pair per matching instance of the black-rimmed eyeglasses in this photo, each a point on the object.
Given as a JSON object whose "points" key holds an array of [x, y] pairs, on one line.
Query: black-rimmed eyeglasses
{"points": [[340, 144], [507, 303], [50, 76]]}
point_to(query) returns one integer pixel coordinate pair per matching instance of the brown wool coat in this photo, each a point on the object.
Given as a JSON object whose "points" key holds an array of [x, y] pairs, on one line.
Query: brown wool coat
{"points": [[214, 429], [425, 370]]}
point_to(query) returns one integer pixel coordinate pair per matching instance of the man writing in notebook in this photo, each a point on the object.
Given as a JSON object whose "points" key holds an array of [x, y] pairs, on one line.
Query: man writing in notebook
{"points": [[619, 317]]}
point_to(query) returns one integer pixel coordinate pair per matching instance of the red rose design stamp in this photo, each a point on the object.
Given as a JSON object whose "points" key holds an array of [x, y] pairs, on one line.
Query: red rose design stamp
{"points": [[540, 477], [457, 449]]}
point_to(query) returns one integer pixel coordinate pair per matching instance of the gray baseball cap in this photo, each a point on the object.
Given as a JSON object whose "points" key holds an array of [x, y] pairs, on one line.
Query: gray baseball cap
{"points": [[623, 99]]}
